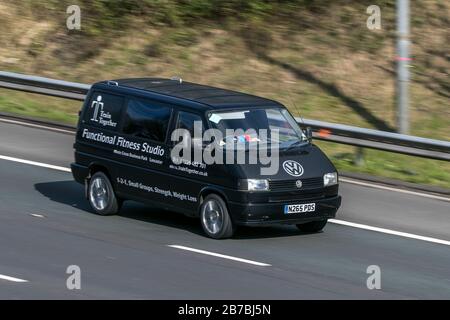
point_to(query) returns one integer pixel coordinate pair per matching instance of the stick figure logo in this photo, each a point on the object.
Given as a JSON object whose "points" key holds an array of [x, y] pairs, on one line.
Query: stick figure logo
{"points": [[97, 105]]}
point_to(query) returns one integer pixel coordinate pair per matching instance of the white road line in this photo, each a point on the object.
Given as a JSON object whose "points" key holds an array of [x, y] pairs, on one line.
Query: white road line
{"points": [[346, 180], [346, 223], [34, 163], [37, 215], [12, 279], [35, 125], [389, 231], [218, 255], [378, 186]]}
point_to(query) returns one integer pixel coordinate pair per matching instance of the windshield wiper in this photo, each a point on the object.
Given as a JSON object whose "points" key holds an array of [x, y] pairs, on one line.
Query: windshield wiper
{"points": [[296, 143]]}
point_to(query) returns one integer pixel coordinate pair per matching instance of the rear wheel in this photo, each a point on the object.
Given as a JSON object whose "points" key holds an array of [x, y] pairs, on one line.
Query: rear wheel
{"points": [[101, 195], [215, 219], [314, 226]]}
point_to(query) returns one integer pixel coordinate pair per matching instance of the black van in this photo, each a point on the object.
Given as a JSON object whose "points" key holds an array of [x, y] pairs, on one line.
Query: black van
{"points": [[125, 144]]}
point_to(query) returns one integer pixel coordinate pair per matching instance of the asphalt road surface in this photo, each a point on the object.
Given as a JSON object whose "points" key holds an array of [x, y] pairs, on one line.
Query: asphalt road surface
{"points": [[46, 225]]}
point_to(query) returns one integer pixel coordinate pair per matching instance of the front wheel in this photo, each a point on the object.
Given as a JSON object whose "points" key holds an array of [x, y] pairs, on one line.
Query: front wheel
{"points": [[101, 195], [215, 219], [314, 226]]}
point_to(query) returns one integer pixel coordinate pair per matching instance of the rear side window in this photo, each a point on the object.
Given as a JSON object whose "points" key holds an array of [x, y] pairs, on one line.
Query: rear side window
{"points": [[104, 110], [191, 122], [186, 120], [148, 120]]}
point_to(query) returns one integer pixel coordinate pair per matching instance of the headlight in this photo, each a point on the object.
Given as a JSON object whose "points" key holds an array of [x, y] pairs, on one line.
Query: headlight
{"points": [[254, 184], [330, 179]]}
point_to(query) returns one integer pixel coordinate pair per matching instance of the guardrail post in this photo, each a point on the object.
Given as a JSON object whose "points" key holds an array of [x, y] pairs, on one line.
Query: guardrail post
{"points": [[359, 157]]}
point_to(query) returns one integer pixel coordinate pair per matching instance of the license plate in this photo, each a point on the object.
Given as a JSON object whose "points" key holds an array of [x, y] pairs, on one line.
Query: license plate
{"points": [[299, 208]]}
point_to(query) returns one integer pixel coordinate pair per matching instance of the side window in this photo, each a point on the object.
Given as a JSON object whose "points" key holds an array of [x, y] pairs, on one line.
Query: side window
{"points": [[187, 120], [104, 110], [193, 127], [147, 120]]}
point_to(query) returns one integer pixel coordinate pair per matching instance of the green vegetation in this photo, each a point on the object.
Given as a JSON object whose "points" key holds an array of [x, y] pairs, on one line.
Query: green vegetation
{"points": [[390, 165], [316, 57], [39, 107]]}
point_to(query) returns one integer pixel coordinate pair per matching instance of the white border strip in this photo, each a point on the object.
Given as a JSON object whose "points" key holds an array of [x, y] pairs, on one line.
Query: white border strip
{"points": [[378, 186], [389, 231], [35, 125], [34, 163], [12, 279], [218, 255]]}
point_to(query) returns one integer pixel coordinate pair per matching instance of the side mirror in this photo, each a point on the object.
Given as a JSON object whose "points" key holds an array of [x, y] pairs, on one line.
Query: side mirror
{"points": [[309, 134]]}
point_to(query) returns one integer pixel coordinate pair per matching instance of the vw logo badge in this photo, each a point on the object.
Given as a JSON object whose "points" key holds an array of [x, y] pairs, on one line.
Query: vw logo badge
{"points": [[293, 168], [298, 183]]}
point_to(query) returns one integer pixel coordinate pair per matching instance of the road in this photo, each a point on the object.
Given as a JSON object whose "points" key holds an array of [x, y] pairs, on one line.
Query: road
{"points": [[46, 225]]}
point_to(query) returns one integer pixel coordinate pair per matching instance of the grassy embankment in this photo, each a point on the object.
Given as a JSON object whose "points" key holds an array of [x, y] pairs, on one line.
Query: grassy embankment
{"points": [[320, 60]]}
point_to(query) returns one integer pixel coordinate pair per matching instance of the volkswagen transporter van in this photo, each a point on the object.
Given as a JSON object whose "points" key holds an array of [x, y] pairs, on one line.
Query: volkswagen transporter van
{"points": [[125, 145]]}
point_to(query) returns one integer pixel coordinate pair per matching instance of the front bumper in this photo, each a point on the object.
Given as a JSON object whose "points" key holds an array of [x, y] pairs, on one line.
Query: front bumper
{"points": [[273, 213]]}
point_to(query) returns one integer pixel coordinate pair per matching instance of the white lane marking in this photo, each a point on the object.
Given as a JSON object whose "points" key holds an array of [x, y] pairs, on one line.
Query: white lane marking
{"points": [[426, 195], [218, 255], [346, 180], [36, 215], [378, 186], [34, 163], [389, 231], [350, 224], [12, 279], [35, 125]]}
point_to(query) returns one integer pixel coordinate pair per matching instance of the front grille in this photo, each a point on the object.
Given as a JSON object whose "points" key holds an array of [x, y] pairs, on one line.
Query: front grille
{"points": [[288, 185], [288, 197], [293, 195]]}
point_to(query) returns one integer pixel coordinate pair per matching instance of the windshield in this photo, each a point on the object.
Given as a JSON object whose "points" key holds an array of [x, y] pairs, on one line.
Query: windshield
{"points": [[268, 125]]}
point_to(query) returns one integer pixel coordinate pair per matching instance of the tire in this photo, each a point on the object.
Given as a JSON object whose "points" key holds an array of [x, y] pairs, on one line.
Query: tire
{"points": [[215, 218], [101, 195], [314, 226]]}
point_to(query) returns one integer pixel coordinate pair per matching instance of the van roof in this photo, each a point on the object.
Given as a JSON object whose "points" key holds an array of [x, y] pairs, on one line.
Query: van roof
{"points": [[210, 97]]}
